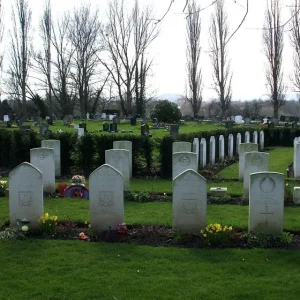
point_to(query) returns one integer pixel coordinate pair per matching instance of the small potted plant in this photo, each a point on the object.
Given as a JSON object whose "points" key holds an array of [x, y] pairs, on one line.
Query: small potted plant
{"points": [[78, 179]]}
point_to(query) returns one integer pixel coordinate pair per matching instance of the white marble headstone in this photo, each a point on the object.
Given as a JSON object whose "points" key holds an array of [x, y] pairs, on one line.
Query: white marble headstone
{"points": [[296, 163], [255, 137], [203, 150], [106, 198], [119, 159], [43, 159], [183, 161], [261, 140], [238, 142], [127, 145], [80, 132], [181, 147], [254, 162], [26, 194], [245, 147], [247, 137], [266, 203], [212, 150], [221, 148], [230, 146], [196, 148], [189, 202], [55, 145]]}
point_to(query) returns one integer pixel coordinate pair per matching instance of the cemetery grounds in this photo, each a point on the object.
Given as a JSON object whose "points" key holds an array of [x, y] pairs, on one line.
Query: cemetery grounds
{"points": [[155, 263]]}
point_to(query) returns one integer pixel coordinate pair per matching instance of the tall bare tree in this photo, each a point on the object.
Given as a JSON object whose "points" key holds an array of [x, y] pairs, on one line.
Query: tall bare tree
{"points": [[20, 52], [222, 76], [273, 47], [295, 42], [124, 32], [1, 38], [62, 84], [193, 50], [85, 36], [42, 57]]}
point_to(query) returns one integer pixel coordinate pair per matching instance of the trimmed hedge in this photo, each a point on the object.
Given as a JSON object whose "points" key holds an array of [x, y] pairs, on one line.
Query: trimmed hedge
{"points": [[150, 156]]}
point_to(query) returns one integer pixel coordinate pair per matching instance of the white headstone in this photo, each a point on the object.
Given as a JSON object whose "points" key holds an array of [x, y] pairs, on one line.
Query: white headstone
{"points": [[230, 146], [76, 126], [266, 203], [239, 120], [196, 149], [221, 148], [296, 195], [181, 147], [203, 150], [261, 140], [238, 142], [43, 159], [296, 163], [55, 145], [183, 161], [87, 116], [255, 137], [80, 132], [247, 137], [245, 147], [296, 140], [106, 198], [6, 118], [119, 159], [127, 145], [26, 194], [212, 150], [254, 162], [189, 202]]}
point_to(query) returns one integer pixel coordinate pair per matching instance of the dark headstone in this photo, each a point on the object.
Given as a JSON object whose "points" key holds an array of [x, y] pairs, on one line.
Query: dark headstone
{"points": [[145, 129], [174, 129], [116, 120], [83, 125], [43, 129], [286, 124], [133, 121], [105, 127], [228, 124], [294, 124], [25, 128], [113, 127]]}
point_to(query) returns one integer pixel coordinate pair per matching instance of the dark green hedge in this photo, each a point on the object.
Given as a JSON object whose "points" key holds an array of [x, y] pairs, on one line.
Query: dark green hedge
{"points": [[150, 156]]}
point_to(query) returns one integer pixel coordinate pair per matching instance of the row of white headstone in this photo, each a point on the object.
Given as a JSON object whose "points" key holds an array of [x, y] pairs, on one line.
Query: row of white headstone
{"points": [[266, 202], [47, 159], [106, 201], [200, 147]]}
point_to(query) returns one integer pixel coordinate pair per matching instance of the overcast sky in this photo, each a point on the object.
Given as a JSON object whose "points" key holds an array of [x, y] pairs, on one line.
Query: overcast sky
{"points": [[168, 51]]}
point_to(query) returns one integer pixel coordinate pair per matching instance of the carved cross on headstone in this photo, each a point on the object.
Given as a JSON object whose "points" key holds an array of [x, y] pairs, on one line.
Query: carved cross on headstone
{"points": [[266, 214]]}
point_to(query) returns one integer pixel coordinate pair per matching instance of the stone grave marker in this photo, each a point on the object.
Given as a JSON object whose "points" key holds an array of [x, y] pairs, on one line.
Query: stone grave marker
{"points": [[261, 140], [55, 145], [238, 142], [247, 137], [254, 162], [255, 137], [297, 161], [174, 129], [296, 195], [245, 147], [266, 203], [230, 146], [68, 119], [80, 132], [127, 145], [221, 148], [26, 195], [181, 147], [183, 161], [196, 148], [106, 198], [43, 159], [212, 150], [189, 202], [119, 159], [203, 150]]}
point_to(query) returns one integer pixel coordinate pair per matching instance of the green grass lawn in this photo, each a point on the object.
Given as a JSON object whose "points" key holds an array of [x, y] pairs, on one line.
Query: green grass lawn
{"points": [[45, 269]]}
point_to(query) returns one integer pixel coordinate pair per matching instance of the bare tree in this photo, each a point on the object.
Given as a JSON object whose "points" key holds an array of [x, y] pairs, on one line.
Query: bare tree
{"points": [[20, 53], [1, 38], [42, 58], [84, 34], [295, 42], [62, 86], [222, 76], [123, 33], [193, 50], [273, 47]]}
